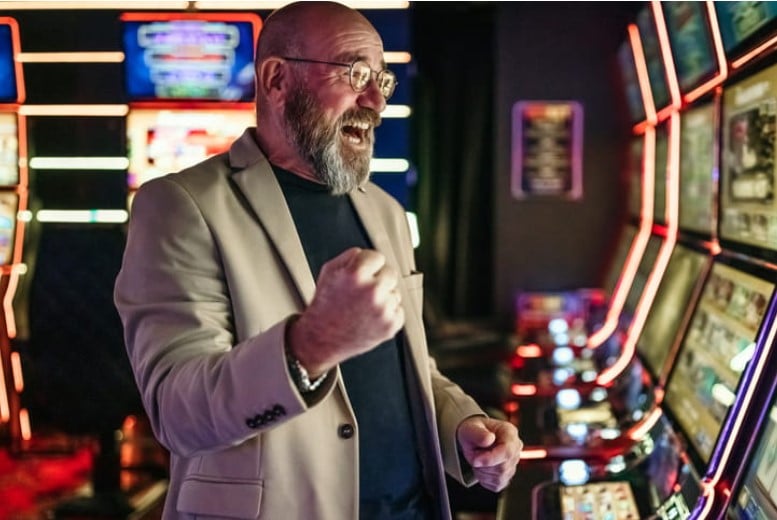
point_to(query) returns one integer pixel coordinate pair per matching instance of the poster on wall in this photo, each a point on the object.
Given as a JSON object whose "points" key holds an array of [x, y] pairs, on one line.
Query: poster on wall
{"points": [[547, 145]]}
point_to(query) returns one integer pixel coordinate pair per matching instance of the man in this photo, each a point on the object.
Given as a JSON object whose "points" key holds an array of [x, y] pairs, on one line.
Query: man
{"points": [[277, 396]]}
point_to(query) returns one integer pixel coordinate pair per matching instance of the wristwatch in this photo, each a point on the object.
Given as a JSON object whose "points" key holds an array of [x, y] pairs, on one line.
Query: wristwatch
{"points": [[301, 377]]}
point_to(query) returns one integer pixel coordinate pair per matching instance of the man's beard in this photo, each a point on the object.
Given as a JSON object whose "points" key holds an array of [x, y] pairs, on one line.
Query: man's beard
{"points": [[320, 142]]}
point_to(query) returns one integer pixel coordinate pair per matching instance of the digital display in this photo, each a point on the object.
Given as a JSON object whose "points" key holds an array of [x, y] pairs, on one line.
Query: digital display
{"points": [[715, 352], [8, 88], [757, 499], [630, 81], [748, 209], [740, 20], [628, 235], [9, 205], [661, 171], [697, 161], [189, 59], [672, 299], [653, 58], [635, 163], [166, 141], [641, 276], [9, 149], [691, 41]]}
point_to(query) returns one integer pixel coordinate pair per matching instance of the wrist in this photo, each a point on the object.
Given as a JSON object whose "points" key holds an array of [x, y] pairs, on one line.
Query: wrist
{"points": [[305, 380]]}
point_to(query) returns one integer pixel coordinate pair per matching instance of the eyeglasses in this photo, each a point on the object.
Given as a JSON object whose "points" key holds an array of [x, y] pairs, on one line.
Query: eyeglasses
{"points": [[359, 74]]}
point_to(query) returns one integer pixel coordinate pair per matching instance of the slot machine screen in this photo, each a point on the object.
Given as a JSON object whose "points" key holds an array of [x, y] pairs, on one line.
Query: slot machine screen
{"points": [[691, 41], [8, 87], [180, 57], [748, 208], [635, 164], [166, 141], [9, 149], [646, 265], [653, 58], [9, 205], [757, 498], [697, 162], [672, 299], [659, 186], [715, 351], [628, 235], [743, 23], [630, 82]]}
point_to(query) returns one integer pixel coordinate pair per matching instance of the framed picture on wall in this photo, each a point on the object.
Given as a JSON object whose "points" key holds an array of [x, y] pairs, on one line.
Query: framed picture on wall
{"points": [[547, 146]]}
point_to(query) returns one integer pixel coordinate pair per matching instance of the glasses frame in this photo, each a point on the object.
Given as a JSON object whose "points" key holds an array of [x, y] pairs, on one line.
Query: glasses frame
{"points": [[350, 66]]}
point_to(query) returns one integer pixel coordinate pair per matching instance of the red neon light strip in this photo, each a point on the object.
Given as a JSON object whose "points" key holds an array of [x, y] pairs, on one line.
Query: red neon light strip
{"points": [[752, 54], [672, 169], [10, 317], [720, 54], [666, 56], [637, 247], [5, 407], [642, 74], [640, 431]]}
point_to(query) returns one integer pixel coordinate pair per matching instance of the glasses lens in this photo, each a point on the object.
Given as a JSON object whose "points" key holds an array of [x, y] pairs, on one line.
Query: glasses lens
{"points": [[360, 75], [387, 82]]}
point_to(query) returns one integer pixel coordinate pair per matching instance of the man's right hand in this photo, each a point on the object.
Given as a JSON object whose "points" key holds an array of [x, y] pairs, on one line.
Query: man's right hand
{"points": [[356, 307]]}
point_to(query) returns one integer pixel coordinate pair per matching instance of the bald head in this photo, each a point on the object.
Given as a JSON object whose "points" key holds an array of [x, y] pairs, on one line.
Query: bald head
{"points": [[294, 29]]}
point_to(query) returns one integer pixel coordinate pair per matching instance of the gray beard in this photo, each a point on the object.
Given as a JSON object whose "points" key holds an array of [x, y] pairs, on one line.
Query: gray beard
{"points": [[320, 143]]}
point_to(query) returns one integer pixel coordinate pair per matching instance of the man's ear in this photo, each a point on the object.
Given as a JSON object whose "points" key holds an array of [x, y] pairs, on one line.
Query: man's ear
{"points": [[271, 79]]}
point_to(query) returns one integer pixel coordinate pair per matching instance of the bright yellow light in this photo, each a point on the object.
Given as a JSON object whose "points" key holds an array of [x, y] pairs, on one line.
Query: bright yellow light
{"points": [[79, 163], [83, 216], [74, 110], [70, 57], [389, 165], [396, 111]]}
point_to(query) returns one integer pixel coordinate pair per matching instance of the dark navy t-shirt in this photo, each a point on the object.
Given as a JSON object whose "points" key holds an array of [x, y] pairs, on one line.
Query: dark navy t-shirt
{"points": [[390, 474]]}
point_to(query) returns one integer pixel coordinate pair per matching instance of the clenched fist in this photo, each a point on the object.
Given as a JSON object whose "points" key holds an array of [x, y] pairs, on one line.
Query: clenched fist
{"points": [[356, 307]]}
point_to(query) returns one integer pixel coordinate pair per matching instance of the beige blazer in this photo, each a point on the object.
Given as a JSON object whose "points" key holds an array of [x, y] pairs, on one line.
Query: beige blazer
{"points": [[213, 268]]}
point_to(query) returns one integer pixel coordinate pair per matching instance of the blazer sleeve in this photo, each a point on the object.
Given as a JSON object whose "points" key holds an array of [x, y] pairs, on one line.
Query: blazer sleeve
{"points": [[202, 391]]}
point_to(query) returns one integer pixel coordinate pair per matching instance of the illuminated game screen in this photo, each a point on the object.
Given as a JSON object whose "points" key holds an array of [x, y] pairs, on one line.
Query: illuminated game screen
{"points": [[666, 314], [653, 58], [748, 209], [697, 161], [635, 175], [691, 41], [619, 260], [757, 499], [166, 141], [641, 276], [659, 186], [9, 149], [630, 81], [715, 353], [9, 205], [739, 21], [189, 59], [8, 91]]}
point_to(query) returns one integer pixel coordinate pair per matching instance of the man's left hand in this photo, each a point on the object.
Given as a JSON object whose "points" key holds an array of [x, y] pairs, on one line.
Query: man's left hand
{"points": [[492, 448]]}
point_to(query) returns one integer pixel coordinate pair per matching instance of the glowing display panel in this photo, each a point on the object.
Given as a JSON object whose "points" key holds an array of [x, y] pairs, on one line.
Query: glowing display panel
{"points": [[691, 42], [661, 171], [8, 89], [655, 62], [9, 149], [166, 141], [741, 22], [757, 499], [715, 353], [673, 297], [641, 276], [697, 159], [630, 81], [9, 205], [619, 260], [636, 149], [748, 209], [189, 58]]}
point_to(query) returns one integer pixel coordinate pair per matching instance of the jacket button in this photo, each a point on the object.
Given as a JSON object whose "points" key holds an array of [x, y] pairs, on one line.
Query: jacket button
{"points": [[345, 431]]}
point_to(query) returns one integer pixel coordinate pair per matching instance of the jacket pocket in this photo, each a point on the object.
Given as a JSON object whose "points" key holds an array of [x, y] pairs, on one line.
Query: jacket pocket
{"points": [[221, 498]]}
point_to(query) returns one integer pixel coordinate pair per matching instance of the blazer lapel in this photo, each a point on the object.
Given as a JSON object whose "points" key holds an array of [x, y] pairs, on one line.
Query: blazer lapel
{"points": [[256, 181]]}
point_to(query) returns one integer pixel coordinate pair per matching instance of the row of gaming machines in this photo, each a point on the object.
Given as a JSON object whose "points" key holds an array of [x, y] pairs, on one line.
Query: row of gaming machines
{"points": [[662, 403], [186, 93]]}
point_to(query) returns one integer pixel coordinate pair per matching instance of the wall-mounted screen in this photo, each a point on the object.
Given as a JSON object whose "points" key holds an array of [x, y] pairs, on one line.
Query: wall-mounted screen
{"points": [[166, 141], [630, 82], [742, 23], [748, 208], [672, 300], [180, 57], [653, 58], [715, 353], [690, 38], [697, 161], [9, 149], [661, 171], [757, 498], [8, 82]]}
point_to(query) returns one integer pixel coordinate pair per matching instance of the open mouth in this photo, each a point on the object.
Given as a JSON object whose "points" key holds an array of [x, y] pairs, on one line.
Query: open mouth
{"points": [[356, 132]]}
